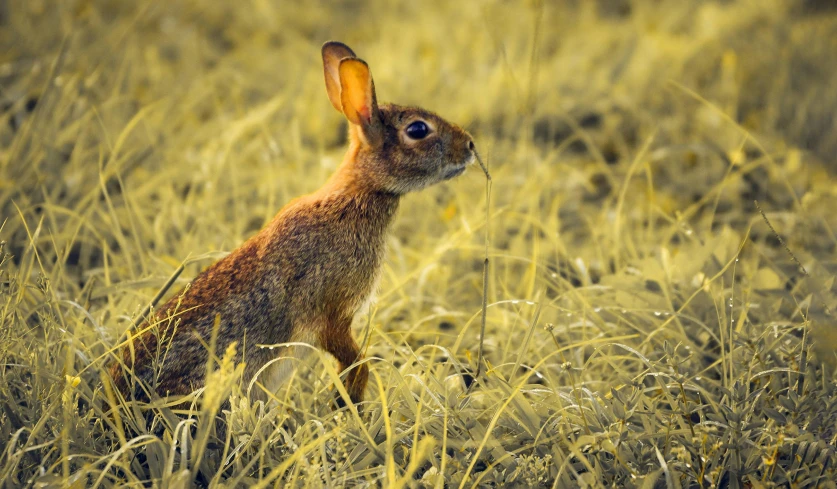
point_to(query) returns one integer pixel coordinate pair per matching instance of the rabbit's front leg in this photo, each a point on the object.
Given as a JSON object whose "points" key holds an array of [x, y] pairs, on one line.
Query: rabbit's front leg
{"points": [[336, 338]]}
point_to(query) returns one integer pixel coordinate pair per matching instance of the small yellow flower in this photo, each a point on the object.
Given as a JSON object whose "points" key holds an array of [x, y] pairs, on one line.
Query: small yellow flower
{"points": [[449, 212]]}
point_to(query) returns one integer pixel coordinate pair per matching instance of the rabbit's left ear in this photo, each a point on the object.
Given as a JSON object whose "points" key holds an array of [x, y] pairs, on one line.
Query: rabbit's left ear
{"points": [[357, 95], [333, 53]]}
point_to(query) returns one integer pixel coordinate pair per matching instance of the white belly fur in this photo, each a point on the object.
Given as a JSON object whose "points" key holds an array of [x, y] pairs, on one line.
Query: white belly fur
{"points": [[366, 302], [279, 370]]}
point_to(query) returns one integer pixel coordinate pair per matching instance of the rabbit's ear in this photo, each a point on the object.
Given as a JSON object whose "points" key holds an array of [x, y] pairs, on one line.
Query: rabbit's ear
{"points": [[357, 94], [333, 53]]}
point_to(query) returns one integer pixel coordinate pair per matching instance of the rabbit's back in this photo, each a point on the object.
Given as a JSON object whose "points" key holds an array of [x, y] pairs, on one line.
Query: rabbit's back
{"points": [[170, 355]]}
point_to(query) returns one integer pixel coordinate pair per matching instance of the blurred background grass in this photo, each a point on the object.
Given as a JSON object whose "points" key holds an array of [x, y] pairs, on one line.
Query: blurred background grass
{"points": [[645, 326]]}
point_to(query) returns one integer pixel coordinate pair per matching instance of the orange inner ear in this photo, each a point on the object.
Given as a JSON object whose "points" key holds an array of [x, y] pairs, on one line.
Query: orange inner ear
{"points": [[357, 92]]}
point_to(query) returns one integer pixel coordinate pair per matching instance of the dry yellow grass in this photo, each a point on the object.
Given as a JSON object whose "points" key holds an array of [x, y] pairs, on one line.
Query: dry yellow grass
{"points": [[645, 327]]}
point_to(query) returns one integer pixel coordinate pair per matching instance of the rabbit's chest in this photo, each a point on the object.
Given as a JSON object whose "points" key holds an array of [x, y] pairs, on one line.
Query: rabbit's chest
{"points": [[356, 274], [332, 251]]}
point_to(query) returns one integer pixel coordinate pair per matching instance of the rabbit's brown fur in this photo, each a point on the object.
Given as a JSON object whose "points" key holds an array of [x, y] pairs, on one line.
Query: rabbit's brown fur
{"points": [[304, 276]]}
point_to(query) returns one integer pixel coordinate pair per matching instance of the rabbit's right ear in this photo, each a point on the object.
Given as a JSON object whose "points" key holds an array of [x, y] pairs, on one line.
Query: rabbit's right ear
{"points": [[333, 53]]}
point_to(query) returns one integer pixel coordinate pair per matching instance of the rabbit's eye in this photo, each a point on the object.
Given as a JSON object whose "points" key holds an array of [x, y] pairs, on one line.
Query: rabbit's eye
{"points": [[417, 130]]}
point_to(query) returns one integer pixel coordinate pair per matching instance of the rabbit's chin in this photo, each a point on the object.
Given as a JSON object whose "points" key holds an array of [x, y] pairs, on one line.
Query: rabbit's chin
{"points": [[453, 171], [406, 186]]}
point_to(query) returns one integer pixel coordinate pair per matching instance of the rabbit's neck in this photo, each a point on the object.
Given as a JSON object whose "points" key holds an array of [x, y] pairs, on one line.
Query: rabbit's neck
{"points": [[359, 202], [363, 170]]}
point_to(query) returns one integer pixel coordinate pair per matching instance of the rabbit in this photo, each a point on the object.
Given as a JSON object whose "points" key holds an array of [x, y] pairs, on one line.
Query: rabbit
{"points": [[304, 276]]}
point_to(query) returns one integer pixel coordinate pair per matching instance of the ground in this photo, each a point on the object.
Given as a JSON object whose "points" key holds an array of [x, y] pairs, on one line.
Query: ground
{"points": [[660, 236]]}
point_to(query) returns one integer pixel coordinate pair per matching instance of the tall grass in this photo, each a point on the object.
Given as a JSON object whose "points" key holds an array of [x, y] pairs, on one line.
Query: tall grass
{"points": [[644, 325]]}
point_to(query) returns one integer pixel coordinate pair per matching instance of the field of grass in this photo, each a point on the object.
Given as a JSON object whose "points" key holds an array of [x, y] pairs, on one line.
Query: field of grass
{"points": [[661, 239]]}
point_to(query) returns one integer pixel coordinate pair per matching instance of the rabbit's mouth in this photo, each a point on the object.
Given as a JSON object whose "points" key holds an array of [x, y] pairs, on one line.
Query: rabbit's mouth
{"points": [[453, 171]]}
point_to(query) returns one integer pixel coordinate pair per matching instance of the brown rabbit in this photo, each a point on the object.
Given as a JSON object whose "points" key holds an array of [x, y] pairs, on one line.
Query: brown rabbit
{"points": [[304, 276]]}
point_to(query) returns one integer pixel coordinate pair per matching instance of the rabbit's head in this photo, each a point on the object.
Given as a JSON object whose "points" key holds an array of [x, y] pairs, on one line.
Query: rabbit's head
{"points": [[393, 148]]}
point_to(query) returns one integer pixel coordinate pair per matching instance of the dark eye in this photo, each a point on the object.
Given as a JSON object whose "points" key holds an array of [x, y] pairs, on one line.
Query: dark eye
{"points": [[417, 130]]}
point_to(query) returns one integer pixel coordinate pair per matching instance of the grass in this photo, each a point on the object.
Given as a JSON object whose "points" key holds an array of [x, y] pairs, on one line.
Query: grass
{"points": [[646, 325]]}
